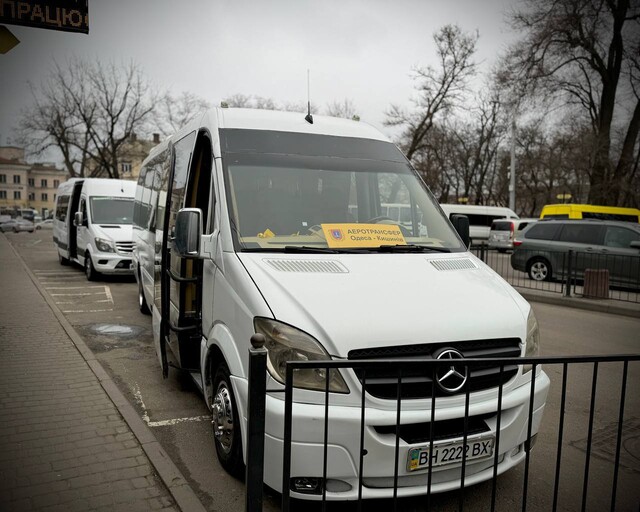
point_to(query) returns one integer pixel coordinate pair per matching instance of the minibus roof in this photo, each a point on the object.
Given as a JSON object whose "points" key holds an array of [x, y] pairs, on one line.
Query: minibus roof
{"points": [[255, 119]]}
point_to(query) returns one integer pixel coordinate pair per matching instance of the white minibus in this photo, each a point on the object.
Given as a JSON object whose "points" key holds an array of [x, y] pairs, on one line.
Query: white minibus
{"points": [[92, 225], [480, 218], [250, 221]]}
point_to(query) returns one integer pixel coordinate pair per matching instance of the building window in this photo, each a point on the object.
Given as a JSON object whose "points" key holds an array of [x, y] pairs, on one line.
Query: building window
{"points": [[32, 182], [3, 193], [56, 183], [16, 178], [43, 183], [126, 167], [3, 178], [54, 196], [16, 194], [44, 197], [32, 196]]}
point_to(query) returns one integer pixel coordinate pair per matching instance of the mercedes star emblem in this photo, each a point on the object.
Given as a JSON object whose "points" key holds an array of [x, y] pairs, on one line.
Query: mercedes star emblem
{"points": [[451, 378]]}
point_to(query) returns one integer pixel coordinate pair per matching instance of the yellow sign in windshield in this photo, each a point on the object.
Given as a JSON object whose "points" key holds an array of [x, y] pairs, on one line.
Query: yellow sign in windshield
{"points": [[362, 235]]}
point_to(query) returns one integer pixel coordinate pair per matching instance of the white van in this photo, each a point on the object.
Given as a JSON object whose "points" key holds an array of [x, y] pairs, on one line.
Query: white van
{"points": [[250, 221], [480, 218], [92, 225]]}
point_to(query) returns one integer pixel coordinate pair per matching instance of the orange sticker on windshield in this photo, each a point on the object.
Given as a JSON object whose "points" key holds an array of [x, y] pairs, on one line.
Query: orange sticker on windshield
{"points": [[362, 235]]}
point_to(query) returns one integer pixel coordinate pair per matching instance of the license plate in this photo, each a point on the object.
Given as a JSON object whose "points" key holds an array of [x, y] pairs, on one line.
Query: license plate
{"points": [[449, 453]]}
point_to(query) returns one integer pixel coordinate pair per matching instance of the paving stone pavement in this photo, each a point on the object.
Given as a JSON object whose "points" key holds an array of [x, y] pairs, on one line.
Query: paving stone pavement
{"points": [[63, 443]]}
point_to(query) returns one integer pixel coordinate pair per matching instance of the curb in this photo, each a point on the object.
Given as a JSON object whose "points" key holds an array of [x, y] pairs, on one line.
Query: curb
{"points": [[585, 304], [182, 493]]}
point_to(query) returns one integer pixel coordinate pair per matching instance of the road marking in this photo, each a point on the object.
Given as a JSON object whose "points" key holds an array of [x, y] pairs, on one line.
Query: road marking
{"points": [[74, 294], [161, 423], [74, 287], [87, 310]]}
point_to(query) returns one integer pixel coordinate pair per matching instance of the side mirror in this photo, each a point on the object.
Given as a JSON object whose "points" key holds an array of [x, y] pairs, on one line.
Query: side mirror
{"points": [[635, 245], [461, 225], [77, 219], [187, 233]]}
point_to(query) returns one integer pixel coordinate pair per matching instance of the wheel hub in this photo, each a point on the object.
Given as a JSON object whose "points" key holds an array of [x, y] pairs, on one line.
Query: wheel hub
{"points": [[222, 412]]}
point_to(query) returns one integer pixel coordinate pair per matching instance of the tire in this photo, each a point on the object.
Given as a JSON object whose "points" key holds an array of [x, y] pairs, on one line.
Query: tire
{"points": [[226, 425], [15, 230], [62, 260], [142, 301], [89, 269], [539, 269]]}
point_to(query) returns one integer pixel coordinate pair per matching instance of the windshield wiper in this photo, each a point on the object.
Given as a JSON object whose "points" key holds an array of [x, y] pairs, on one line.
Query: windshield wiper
{"points": [[412, 248], [326, 250]]}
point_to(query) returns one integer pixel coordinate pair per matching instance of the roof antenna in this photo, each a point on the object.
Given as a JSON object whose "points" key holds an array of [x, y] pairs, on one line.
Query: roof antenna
{"points": [[308, 118]]}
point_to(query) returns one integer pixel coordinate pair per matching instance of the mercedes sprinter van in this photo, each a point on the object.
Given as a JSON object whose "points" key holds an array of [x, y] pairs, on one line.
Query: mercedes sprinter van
{"points": [[92, 225], [250, 221]]}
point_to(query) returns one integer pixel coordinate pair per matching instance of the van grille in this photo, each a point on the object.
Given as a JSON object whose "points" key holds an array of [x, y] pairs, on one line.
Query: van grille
{"points": [[454, 264], [126, 247], [417, 383], [313, 266]]}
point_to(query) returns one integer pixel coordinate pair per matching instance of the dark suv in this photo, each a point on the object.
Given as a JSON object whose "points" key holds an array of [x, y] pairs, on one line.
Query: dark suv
{"points": [[543, 250]]}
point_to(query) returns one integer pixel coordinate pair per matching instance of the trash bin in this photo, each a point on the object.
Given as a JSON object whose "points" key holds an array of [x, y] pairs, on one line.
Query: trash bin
{"points": [[596, 283]]}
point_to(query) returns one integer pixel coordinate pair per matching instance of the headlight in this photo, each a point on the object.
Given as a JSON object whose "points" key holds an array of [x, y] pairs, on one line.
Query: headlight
{"points": [[105, 245], [532, 346], [286, 343]]}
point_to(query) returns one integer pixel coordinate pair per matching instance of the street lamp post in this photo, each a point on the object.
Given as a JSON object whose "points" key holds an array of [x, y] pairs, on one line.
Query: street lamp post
{"points": [[512, 173]]}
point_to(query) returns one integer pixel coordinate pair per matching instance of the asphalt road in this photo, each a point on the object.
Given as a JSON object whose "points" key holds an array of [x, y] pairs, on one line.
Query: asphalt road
{"points": [[106, 314]]}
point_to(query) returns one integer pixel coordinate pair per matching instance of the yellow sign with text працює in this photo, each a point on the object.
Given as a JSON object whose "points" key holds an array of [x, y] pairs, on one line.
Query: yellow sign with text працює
{"points": [[362, 235]]}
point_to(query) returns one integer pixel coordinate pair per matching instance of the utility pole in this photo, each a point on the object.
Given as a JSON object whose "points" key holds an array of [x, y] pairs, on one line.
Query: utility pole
{"points": [[512, 173]]}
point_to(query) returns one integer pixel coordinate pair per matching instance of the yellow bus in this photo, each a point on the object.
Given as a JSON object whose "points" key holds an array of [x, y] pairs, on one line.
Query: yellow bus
{"points": [[589, 211]]}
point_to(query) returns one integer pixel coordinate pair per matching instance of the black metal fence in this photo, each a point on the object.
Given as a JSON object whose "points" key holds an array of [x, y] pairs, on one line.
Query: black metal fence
{"points": [[572, 273], [584, 456]]}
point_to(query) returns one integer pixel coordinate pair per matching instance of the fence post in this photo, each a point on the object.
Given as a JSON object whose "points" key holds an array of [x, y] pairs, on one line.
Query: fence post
{"points": [[567, 291], [255, 423], [482, 254]]}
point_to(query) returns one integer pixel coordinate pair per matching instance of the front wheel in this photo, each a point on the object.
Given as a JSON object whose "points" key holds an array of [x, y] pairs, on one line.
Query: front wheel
{"points": [[539, 270], [89, 269], [226, 423]]}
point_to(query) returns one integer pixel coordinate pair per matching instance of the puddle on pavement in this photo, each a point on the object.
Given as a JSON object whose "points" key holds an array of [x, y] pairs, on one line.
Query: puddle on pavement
{"points": [[118, 330]]}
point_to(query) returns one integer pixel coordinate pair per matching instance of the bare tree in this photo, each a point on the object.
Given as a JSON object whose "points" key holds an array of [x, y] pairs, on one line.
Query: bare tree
{"points": [[439, 89], [581, 52], [344, 108], [88, 111], [173, 112]]}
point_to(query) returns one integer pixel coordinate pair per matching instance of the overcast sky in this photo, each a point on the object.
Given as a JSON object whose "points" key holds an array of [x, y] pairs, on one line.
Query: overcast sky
{"points": [[362, 50]]}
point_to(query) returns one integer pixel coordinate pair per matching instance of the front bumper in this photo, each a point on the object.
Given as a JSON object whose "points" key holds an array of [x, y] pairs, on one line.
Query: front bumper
{"points": [[112, 263], [379, 462]]}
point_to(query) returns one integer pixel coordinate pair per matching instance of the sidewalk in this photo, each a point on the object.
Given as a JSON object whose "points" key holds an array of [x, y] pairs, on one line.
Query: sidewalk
{"points": [[69, 440]]}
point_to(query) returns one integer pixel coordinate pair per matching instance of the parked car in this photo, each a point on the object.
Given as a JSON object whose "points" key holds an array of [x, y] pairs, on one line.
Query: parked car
{"points": [[17, 225], [480, 218], [45, 224], [504, 232], [542, 250]]}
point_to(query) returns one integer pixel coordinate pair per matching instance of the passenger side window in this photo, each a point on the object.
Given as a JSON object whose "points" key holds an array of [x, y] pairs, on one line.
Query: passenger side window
{"points": [[542, 231], [581, 233], [620, 237]]}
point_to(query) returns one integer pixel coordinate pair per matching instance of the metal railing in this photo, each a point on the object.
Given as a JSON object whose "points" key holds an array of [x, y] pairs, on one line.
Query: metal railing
{"points": [[571, 273], [555, 486]]}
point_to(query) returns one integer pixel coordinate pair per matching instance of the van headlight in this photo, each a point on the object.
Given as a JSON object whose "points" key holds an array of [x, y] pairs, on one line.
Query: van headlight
{"points": [[104, 245], [532, 347], [285, 343]]}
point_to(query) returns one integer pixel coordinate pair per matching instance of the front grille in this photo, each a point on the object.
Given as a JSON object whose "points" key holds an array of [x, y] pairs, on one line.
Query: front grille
{"points": [[126, 247], [417, 382], [415, 433]]}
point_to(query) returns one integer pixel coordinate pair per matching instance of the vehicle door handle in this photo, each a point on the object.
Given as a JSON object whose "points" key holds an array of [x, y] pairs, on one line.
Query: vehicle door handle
{"points": [[589, 249]]}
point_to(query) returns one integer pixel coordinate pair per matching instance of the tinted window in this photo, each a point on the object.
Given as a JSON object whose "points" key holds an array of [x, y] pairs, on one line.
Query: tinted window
{"points": [[502, 226], [581, 233], [522, 225], [620, 237], [610, 216], [542, 231]]}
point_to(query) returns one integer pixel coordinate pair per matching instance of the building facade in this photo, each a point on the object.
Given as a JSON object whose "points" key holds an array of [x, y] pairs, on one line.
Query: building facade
{"points": [[25, 185]]}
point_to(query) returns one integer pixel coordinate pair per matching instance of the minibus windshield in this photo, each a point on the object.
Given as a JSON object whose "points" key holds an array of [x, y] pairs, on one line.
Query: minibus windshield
{"points": [[339, 200], [111, 210]]}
